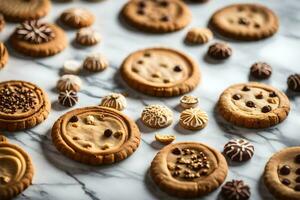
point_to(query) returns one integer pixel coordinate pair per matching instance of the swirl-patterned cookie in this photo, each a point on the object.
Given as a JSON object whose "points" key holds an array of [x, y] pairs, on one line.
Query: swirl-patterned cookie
{"points": [[3, 55], [239, 150], [157, 116], [193, 119], [114, 100]]}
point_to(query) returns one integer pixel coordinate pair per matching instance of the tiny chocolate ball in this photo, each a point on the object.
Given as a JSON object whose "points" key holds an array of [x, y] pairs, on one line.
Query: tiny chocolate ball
{"points": [[246, 89], [250, 104], [237, 97], [108, 133], [273, 94], [261, 70], [176, 151], [285, 170], [164, 18], [294, 82], [297, 187], [259, 96], [297, 159], [286, 182], [74, 119], [266, 109], [177, 68]]}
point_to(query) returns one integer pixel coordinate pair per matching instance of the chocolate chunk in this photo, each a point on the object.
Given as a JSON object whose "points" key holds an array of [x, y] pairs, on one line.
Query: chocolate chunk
{"points": [[219, 51], [261, 70], [272, 94], [259, 96], [74, 119], [108, 133], [244, 21], [140, 12], [297, 179], [164, 18], [142, 4], [163, 3], [285, 170], [147, 54], [286, 182], [297, 159], [294, 82], [250, 104], [266, 109], [298, 171], [177, 68], [235, 190], [297, 188], [140, 62], [176, 151], [166, 81], [237, 97], [246, 88]]}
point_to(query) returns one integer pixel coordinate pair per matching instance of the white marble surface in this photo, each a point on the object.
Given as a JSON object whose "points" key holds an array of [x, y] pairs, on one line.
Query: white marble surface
{"points": [[58, 178]]}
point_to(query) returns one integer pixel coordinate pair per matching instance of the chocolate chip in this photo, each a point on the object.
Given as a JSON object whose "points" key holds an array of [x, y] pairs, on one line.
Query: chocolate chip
{"points": [[176, 151], [266, 109], [285, 170], [164, 3], [297, 179], [164, 18], [108, 133], [286, 182], [250, 104], [259, 96], [256, 25], [177, 68], [297, 159], [147, 54], [244, 21], [298, 171], [237, 97], [142, 4], [246, 89], [140, 62], [272, 94], [74, 119], [297, 188], [140, 12], [166, 81]]}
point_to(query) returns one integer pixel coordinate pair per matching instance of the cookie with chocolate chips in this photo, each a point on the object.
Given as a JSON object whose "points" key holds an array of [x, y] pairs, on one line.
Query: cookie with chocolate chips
{"points": [[96, 135], [282, 174], [253, 105], [188, 169], [23, 105]]}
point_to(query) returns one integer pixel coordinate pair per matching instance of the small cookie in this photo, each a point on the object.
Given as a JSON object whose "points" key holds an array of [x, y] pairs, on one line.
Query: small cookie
{"points": [[20, 10], [164, 139], [87, 37], [2, 22], [72, 67], [239, 150], [157, 16], [235, 190], [253, 105], [219, 51], [38, 39], [188, 169], [68, 98], [245, 22], [23, 105], [294, 82], [188, 101], [193, 119], [69, 82], [261, 70], [95, 62], [96, 135], [157, 116], [198, 36], [3, 138], [77, 17], [160, 72], [282, 174], [114, 100], [3, 55]]}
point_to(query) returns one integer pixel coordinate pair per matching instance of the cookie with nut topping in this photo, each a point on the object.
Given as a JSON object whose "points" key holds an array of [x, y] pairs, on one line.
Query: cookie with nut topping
{"points": [[188, 169], [95, 135], [253, 105]]}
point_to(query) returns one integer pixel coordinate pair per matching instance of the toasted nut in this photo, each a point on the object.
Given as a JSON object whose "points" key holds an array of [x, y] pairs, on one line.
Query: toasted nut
{"points": [[165, 139], [90, 120], [106, 146]]}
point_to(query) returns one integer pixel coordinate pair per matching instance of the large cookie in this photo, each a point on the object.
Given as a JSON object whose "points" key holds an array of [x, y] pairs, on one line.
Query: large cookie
{"points": [[16, 171], [253, 105], [245, 22], [157, 16], [23, 105], [96, 135], [188, 169], [160, 72], [282, 174]]}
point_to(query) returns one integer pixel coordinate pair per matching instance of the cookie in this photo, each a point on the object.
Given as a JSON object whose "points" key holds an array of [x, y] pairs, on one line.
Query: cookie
{"points": [[219, 51], [114, 100], [72, 67], [160, 72], [3, 55], [193, 119], [198, 35], [245, 22], [96, 135], [261, 70], [235, 190], [188, 169], [2, 22], [77, 17], [16, 172], [282, 174], [293, 82], [69, 82], [95, 62], [157, 116], [164, 139], [87, 37], [239, 150], [3, 138], [20, 10], [68, 98], [157, 16], [188, 101], [253, 105], [23, 105], [38, 39]]}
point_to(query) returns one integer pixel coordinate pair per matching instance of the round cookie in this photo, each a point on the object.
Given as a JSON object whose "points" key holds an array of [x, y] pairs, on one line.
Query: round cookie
{"points": [[16, 171], [245, 22], [23, 105], [3, 55], [160, 72], [38, 39], [95, 135], [253, 105], [193, 119], [77, 17], [282, 174], [157, 16], [157, 116], [21, 10], [114, 100], [188, 169]]}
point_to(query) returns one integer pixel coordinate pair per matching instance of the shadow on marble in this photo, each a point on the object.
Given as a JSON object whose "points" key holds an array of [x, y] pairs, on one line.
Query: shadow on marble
{"points": [[64, 26], [179, 129], [210, 60], [253, 79], [291, 94], [178, 108], [157, 145], [55, 105], [143, 128], [14, 53], [263, 191]]}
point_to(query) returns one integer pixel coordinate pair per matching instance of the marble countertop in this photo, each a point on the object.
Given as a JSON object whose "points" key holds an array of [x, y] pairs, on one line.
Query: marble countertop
{"points": [[57, 177]]}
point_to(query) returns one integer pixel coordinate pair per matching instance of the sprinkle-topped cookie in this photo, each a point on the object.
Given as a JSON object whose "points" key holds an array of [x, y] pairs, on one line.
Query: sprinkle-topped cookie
{"points": [[239, 150], [157, 116]]}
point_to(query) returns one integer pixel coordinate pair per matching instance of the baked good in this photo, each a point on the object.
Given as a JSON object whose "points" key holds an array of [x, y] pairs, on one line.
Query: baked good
{"points": [[37, 39], [188, 101], [253, 105], [87, 37], [114, 100], [239, 150], [20, 10], [95, 62], [72, 67], [2, 22], [157, 116], [193, 119], [219, 51], [157, 16], [282, 173], [198, 35], [69, 82], [160, 72], [261, 70], [96, 135], [164, 139], [68, 98], [3, 138], [235, 190], [294, 82], [16, 170], [77, 17], [188, 169], [245, 21], [3, 55], [23, 105]]}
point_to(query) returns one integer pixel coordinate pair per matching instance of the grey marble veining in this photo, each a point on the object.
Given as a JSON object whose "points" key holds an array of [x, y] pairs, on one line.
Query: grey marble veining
{"points": [[59, 178]]}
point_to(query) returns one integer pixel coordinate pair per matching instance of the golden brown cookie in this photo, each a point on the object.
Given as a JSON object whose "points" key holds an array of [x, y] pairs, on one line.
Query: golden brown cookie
{"points": [[3, 55], [245, 22], [95, 62], [253, 105], [282, 174], [77, 17], [23, 105], [164, 139], [157, 16], [193, 119], [87, 37], [160, 72], [188, 169], [16, 171], [96, 135], [188, 101], [114, 100], [37, 39], [21, 10], [198, 35], [157, 116], [69, 82]]}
